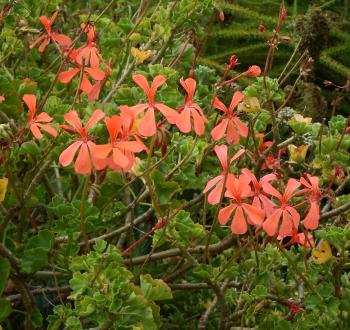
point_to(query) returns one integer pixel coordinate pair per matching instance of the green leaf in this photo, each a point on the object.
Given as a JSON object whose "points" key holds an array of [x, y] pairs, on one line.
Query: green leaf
{"points": [[260, 291], [73, 323], [36, 318], [154, 289], [36, 252], [181, 229], [165, 190], [5, 309], [337, 124], [5, 268]]}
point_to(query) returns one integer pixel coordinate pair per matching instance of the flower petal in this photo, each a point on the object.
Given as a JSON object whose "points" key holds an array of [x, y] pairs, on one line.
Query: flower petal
{"points": [[44, 45], [169, 113], [147, 125], [83, 163], [66, 76], [73, 119], [157, 81], [30, 101], [217, 104], [255, 215], [215, 195], [96, 116], [270, 225], [189, 86], [67, 156], [239, 225], [120, 159], [312, 218], [237, 97], [142, 82], [61, 39], [221, 153], [267, 187], [101, 151], [95, 74], [219, 130], [36, 131], [48, 129], [183, 121], [225, 213], [198, 123], [43, 118]]}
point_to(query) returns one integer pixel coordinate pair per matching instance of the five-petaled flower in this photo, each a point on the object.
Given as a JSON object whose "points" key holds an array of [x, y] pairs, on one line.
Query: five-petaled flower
{"points": [[284, 220], [124, 142], [2, 99], [39, 122], [231, 125], [45, 38], [147, 125], [216, 185], [85, 160], [190, 109], [314, 194], [239, 191], [96, 74], [260, 199], [89, 53]]}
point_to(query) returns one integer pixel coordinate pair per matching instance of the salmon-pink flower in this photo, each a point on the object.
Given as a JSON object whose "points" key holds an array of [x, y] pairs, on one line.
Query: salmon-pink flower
{"points": [[314, 194], [45, 38], [303, 240], [147, 125], [2, 99], [260, 200], [239, 190], [216, 185], [37, 123], [118, 154], [95, 90], [85, 160], [285, 219], [253, 71], [230, 125], [89, 53], [190, 109], [96, 74]]}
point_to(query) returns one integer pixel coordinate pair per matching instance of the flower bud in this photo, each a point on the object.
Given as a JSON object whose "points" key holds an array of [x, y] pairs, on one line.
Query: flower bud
{"points": [[233, 62], [5, 133], [261, 28], [283, 14], [222, 16], [253, 71]]}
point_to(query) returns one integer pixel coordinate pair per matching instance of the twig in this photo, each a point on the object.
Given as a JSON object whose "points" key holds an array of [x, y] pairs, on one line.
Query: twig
{"points": [[213, 249], [339, 210]]}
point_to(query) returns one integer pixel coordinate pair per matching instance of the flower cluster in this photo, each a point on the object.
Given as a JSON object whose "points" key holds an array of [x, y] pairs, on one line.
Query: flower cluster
{"points": [[260, 204], [265, 203], [87, 64]]}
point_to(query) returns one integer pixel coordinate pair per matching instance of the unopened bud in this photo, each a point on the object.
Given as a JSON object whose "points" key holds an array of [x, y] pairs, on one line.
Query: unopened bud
{"points": [[253, 71], [261, 28], [233, 62], [283, 13], [222, 16]]}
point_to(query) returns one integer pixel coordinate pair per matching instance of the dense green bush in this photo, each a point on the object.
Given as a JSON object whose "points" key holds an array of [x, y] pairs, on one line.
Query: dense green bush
{"points": [[145, 186]]}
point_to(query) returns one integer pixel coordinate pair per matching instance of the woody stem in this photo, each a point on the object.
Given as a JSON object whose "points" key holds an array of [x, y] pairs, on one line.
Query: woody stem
{"points": [[82, 214]]}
